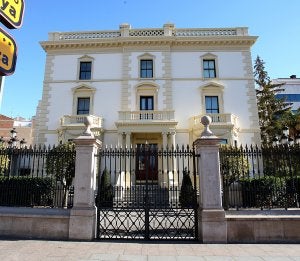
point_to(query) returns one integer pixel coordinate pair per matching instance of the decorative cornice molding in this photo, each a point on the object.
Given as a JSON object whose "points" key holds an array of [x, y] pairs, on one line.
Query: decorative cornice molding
{"points": [[236, 41]]}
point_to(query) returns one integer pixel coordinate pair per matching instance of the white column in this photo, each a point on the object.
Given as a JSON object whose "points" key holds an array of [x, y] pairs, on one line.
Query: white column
{"points": [[164, 178], [173, 139], [127, 180], [120, 139], [212, 221]]}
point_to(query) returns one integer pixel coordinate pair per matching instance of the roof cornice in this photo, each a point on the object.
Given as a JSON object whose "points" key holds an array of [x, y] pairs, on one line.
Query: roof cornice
{"points": [[113, 43], [166, 36]]}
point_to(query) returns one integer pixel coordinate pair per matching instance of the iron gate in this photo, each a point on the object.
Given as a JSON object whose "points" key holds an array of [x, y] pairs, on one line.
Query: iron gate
{"points": [[147, 193]]}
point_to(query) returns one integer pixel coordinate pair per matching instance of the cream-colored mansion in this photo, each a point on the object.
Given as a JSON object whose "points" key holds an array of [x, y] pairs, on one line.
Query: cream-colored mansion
{"points": [[148, 85]]}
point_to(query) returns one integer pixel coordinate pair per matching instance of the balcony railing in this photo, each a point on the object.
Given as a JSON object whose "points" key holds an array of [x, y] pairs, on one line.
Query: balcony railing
{"points": [[78, 120], [133, 116], [150, 32], [217, 119]]}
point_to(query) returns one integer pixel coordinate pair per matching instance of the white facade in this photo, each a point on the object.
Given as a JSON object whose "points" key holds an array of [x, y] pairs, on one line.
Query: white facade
{"points": [[291, 90], [162, 108]]}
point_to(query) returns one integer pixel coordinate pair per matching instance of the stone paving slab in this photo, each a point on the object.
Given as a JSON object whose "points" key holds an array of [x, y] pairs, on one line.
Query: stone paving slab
{"points": [[36, 250]]}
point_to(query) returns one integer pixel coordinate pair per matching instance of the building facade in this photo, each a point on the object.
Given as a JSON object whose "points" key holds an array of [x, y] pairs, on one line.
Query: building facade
{"points": [[291, 91], [148, 86]]}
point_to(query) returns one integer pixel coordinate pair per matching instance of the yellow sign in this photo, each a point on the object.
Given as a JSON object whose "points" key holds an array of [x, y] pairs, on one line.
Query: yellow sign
{"points": [[8, 53], [11, 13]]}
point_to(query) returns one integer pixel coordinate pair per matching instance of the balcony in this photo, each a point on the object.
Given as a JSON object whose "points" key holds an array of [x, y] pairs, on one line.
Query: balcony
{"points": [[224, 120], [146, 121], [146, 116], [77, 121]]}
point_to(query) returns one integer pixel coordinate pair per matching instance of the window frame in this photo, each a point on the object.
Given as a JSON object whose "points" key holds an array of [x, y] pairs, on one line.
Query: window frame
{"points": [[83, 110], [86, 72], [208, 71], [147, 98], [146, 70], [83, 91], [211, 109], [212, 89], [146, 89], [208, 57], [146, 57], [81, 60]]}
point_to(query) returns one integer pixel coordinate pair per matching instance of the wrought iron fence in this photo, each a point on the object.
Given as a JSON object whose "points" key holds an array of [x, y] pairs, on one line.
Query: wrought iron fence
{"points": [[37, 176], [147, 192], [260, 177]]}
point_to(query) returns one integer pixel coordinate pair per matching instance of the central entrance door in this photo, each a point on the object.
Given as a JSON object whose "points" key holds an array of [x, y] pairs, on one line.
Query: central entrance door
{"points": [[146, 163]]}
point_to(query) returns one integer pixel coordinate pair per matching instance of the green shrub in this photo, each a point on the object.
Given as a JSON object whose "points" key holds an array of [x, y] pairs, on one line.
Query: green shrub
{"points": [[187, 194], [24, 191], [105, 197], [268, 191]]}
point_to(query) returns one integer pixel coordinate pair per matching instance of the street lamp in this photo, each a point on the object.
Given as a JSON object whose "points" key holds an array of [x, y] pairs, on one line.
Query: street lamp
{"points": [[13, 138], [285, 139], [285, 135], [13, 141]]}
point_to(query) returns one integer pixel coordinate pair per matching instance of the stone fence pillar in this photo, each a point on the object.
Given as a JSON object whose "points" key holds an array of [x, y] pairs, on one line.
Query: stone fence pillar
{"points": [[212, 222], [83, 213]]}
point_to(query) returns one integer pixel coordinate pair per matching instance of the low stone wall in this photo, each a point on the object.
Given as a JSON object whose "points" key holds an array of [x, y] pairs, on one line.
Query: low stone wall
{"points": [[242, 226], [34, 223], [275, 226]]}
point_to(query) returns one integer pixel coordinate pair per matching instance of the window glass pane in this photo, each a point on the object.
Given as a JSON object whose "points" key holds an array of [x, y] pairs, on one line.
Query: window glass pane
{"points": [[211, 64], [146, 69], [212, 104], [209, 69], [85, 70], [143, 103], [206, 74], [146, 103], [83, 106], [150, 103]]}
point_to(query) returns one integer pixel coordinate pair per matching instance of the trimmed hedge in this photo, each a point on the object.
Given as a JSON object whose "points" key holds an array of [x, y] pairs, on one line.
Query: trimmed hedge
{"points": [[270, 191], [26, 192]]}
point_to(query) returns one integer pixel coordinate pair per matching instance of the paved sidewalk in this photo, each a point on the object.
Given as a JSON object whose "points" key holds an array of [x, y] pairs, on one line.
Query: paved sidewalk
{"points": [[132, 251]]}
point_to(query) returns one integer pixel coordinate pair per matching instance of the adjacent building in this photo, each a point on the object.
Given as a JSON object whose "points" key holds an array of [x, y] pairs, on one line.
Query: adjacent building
{"points": [[148, 86], [291, 91]]}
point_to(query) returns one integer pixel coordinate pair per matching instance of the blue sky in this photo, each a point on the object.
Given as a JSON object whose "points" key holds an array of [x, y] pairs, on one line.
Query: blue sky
{"points": [[275, 22]]}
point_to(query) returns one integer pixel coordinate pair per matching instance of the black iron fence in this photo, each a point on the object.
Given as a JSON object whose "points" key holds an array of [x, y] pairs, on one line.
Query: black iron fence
{"points": [[37, 176], [260, 177], [147, 192]]}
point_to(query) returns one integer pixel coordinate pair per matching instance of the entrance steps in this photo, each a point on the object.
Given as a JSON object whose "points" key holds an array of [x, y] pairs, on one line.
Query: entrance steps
{"points": [[146, 195]]}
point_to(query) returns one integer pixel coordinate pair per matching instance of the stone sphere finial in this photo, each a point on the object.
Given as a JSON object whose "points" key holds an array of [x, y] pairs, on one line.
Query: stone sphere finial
{"points": [[206, 120], [207, 133]]}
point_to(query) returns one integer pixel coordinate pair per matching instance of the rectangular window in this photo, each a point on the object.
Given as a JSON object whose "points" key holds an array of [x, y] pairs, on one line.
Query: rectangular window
{"points": [[209, 69], [85, 72], [146, 104], [211, 104], [83, 106], [146, 69]]}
